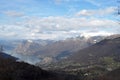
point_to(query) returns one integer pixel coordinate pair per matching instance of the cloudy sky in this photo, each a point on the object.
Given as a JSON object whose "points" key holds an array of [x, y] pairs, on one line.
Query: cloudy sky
{"points": [[57, 19]]}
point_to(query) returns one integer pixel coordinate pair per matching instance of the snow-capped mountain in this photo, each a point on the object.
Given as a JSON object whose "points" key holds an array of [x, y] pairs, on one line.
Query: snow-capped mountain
{"points": [[55, 50], [51, 49]]}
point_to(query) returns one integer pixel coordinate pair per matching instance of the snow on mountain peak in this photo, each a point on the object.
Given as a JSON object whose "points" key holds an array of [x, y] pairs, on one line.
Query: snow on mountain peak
{"points": [[92, 34], [30, 41]]}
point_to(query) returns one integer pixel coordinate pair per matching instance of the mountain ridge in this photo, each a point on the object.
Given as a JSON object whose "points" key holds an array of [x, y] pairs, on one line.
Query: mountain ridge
{"points": [[107, 47]]}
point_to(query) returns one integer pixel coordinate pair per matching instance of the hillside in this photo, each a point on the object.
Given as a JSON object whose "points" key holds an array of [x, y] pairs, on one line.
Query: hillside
{"points": [[12, 70], [94, 60], [56, 50], [113, 75], [93, 54], [7, 56]]}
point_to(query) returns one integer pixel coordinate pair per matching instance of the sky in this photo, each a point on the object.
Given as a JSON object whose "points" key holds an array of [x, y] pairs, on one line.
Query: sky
{"points": [[57, 19]]}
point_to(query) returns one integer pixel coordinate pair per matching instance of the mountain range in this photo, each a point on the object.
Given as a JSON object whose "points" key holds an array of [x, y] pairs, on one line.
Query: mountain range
{"points": [[98, 60], [104, 53], [47, 51], [93, 54], [56, 50]]}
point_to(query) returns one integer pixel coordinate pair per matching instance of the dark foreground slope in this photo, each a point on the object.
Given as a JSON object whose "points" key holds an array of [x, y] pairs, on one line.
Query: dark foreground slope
{"points": [[113, 75], [12, 70], [7, 56]]}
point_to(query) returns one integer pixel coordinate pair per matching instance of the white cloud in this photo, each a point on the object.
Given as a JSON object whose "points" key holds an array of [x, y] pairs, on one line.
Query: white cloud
{"points": [[96, 33], [64, 23], [59, 27], [56, 27], [100, 12], [13, 13]]}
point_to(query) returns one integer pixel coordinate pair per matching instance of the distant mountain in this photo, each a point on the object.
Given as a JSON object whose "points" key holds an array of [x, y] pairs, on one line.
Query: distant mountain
{"points": [[29, 47], [48, 51], [10, 46], [113, 36], [95, 60], [94, 53], [56, 50], [12, 70]]}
